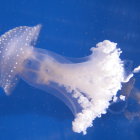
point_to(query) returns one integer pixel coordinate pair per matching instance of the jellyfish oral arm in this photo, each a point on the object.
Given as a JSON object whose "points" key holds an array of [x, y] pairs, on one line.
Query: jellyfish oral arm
{"points": [[92, 83]]}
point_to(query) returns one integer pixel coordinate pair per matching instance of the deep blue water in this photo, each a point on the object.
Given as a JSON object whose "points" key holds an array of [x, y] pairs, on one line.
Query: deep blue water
{"points": [[70, 28]]}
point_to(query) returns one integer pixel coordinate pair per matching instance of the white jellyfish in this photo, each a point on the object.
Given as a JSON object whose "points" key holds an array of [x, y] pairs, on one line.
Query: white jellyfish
{"points": [[86, 87]]}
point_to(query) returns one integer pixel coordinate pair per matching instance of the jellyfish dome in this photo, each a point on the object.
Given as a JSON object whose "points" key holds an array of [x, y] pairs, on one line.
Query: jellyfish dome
{"points": [[15, 46], [86, 87]]}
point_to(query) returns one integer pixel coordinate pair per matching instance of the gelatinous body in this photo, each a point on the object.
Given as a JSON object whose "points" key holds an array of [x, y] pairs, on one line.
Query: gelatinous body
{"points": [[13, 45], [86, 87]]}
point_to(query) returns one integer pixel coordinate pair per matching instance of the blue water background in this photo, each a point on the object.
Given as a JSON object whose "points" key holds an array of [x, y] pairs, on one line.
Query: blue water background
{"points": [[70, 28]]}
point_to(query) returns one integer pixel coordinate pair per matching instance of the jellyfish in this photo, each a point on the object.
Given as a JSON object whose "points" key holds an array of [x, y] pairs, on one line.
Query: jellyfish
{"points": [[87, 86]]}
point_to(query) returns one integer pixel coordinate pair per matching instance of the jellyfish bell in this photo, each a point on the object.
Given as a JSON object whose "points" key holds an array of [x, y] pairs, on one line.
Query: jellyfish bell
{"points": [[15, 46], [86, 87]]}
